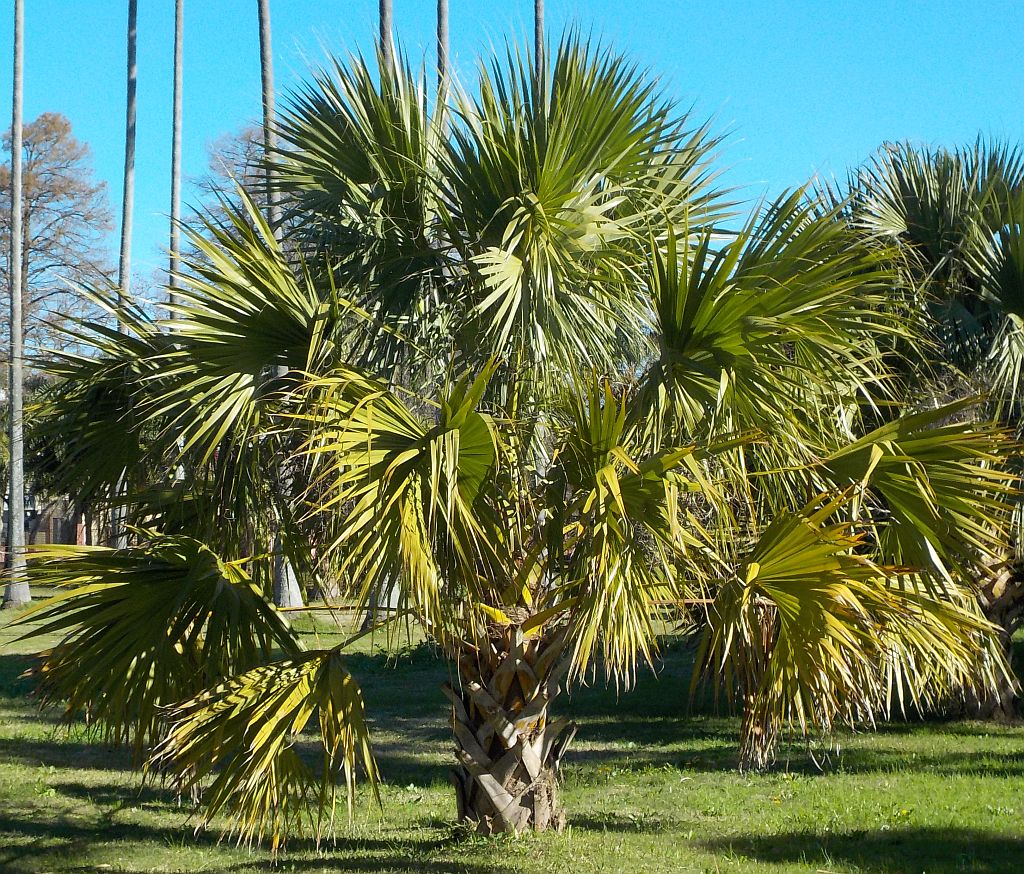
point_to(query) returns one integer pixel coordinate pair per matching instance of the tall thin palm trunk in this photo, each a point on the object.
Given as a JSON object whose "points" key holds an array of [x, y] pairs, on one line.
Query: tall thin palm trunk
{"points": [[175, 242], [286, 587], [538, 36], [442, 45], [124, 268], [442, 65], [269, 133], [128, 200], [386, 38], [17, 591]]}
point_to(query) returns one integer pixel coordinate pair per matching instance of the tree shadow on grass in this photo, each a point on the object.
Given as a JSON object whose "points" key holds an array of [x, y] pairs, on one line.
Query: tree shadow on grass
{"points": [[64, 751], [881, 758], [950, 725], [34, 845], [12, 682], [394, 860], [899, 851], [385, 862], [117, 796], [407, 768], [44, 839], [626, 823], [631, 738]]}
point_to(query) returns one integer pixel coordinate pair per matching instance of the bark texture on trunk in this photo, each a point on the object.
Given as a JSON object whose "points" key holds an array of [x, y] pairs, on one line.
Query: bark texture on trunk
{"points": [[387, 45], [1002, 601], [759, 737], [507, 748]]}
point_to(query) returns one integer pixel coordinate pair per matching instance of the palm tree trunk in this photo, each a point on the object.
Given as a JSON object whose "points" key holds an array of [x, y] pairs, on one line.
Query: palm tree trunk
{"points": [[386, 39], [1001, 596], [538, 36], [128, 199], [175, 241], [17, 591], [285, 585], [124, 269], [269, 132], [442, 46], [759, 737], [508, 750]]}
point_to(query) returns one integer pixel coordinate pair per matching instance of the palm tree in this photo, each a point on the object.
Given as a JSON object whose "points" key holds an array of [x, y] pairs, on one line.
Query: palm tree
{"points": [[952, 220], [16, 591], [267, 91], [527, 384], [118, 534], [175, 241]]}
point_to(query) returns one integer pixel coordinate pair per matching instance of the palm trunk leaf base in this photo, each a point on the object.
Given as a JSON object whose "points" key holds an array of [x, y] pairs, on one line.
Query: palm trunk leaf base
{"points": [[507, 748]]}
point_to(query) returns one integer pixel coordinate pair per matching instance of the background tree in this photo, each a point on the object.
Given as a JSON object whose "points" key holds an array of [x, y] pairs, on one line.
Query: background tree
{"points": [[538, 34], [269, 113], [386, 35], [443, 59], [124, 265], [233, 160], [66, 218]]}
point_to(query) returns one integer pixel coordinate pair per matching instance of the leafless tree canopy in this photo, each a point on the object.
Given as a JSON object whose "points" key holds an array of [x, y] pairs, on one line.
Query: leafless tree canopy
{"points": [[66, 220]]}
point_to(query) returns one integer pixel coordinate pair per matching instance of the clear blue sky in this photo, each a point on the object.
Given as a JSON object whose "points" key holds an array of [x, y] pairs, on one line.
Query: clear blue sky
{"points": [[804, 87]]}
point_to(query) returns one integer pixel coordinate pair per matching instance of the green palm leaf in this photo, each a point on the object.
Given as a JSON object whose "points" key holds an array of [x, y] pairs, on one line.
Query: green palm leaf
{"points": [[619, 532], [1000, 268], [406, 489], [550, 187], [90, 419], [356, 167]]}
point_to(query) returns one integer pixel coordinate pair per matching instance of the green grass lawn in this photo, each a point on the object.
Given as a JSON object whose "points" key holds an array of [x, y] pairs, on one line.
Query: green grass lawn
{"points": [[647, 787]]}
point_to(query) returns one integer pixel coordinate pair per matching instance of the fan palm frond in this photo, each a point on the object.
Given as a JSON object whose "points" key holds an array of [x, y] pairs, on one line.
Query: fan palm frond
{"points": [[812, 632], [621, 536], [404, 490], [145, 627], [937, 489], [551, 185], [356, 170], [236, 745], [778, 330]]}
